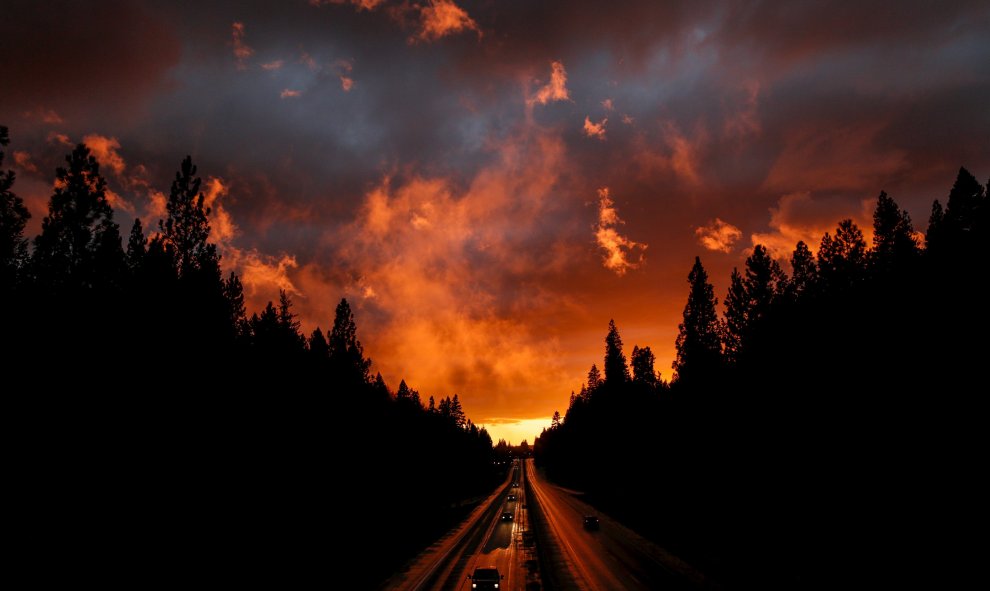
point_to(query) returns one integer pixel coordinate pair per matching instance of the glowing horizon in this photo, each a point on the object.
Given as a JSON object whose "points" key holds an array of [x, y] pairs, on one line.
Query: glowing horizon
{"points": [[490, 184]]}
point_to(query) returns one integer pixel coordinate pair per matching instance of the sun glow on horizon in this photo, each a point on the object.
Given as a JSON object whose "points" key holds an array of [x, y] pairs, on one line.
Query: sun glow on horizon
{"points": [[515, 430]]}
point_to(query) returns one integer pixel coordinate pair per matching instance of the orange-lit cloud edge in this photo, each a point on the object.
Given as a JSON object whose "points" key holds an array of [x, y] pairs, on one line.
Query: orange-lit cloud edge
{"points": [[498, 285]]}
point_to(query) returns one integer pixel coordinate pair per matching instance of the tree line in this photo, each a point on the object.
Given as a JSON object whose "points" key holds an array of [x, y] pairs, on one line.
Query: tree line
{"points": [[159, 409], [825, 427]]}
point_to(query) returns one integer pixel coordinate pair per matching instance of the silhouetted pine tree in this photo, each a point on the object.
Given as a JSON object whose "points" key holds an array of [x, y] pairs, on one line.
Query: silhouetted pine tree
{"points": [[137, 247], [594, 379], [294, 341], [380, 388], [842, 260], [804, 271], [736, 317], [318, 348], [457, 412], [346, 353], [233, 295], [266, 331], [616, 370], [13, 218], [187, 227], [894, 247], [79, 245], [765, 282], [963, 206], [933, 236], [643, 371], [699, 347], [958, 234]]}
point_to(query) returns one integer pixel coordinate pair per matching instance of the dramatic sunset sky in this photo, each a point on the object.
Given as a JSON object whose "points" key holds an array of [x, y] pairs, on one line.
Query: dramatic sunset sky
{"points": [[490, 182]]}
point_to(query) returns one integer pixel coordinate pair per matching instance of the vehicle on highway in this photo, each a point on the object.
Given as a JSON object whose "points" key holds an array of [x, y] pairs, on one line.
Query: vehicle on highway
{"points": [[507, 516], [485, 578], [591, 522], [515, 485], [512, 497]]}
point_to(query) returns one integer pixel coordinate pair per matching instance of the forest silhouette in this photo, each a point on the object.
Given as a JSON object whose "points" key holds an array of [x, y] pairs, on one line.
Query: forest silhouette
{"points": [[168, 432], [824, 431], [823, 426]]}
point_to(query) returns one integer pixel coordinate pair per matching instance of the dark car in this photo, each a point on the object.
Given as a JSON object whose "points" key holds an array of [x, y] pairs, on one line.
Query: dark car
{"points": [[591, 522], [507, 516], [515, 485], [512, 497], [485, 578]]}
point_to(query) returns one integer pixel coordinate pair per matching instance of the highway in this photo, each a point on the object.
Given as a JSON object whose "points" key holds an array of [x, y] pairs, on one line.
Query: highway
{"points": [[484, 539], [572, 558], [613, 557]]}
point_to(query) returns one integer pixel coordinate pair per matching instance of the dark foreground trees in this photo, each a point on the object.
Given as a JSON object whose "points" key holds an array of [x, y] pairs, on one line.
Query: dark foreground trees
{"points": [[826, 430], [162, 431]]}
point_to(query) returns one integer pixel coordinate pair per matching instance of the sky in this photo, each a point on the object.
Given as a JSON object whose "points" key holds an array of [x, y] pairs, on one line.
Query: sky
{"points": [[489, 183]]}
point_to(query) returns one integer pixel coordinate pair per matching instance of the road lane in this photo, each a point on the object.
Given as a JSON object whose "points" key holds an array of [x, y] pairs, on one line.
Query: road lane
{"points": [[613, 557], [501, 544], [482, 540]]}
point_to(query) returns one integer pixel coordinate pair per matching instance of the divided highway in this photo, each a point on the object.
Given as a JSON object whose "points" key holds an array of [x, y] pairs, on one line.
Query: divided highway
{"points": [[612, 557], [484, 539]]}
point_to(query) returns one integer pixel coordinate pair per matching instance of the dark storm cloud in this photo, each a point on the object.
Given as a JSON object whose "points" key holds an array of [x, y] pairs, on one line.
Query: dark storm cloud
{"points": [[82, 58], [414, 170]]}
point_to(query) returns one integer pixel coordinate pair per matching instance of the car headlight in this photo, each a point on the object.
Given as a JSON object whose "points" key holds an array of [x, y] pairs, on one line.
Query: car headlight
{"points": [[474, 585], [496, 585]]}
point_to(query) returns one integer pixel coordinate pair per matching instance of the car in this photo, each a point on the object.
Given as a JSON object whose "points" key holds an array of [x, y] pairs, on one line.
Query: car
{"points": [[507, 516], [515, 485], [485, 578], [591, 522], [512, 497]]}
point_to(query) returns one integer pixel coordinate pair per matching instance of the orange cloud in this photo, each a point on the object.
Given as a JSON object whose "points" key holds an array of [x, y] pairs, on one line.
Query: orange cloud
{"points": [[273, 65], [117, 202], [744, 121], [222, 227], [834, 158], [427, 263], [618, 249], [684, 157], [344, 69], [241, 49], [156, 208], [555, 89], [262, 275], [59, 138], [596, 130], [105, 150], [43, 115], [797, 216], [289, 93], [23, 161], [718, 235], [681, 157], [309, 61], [361, 4], [439, 18]]}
